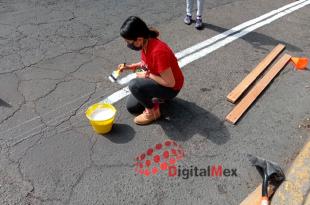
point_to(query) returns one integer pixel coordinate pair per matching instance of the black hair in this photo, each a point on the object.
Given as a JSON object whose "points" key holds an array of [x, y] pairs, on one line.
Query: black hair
{"points": [[134, 27]]}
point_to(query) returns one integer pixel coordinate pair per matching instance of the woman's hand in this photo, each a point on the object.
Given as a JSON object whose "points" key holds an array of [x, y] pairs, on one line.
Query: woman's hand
{"points": [[142, 74], [122, 67], [131, 67]]}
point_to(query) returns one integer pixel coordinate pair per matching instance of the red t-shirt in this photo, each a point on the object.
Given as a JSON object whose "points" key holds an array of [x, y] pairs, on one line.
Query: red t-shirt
{"points": [[159, 57]]}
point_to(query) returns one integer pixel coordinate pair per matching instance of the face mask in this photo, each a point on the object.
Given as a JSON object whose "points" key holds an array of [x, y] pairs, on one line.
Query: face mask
{"points": [[133, 47]]}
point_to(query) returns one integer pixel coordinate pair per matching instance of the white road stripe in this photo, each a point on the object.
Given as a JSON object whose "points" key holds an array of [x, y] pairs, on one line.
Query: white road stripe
{"points": [[218, 37], [117, 96], [199, 54], [212, 40], [203, 52], [126, 79]]}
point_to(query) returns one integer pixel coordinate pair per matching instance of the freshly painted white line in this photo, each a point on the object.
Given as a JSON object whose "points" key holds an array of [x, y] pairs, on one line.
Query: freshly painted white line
{"points": [[223, 35], [203, 52], [117, 96], [199, 54], [126, 79], [212, 40]]}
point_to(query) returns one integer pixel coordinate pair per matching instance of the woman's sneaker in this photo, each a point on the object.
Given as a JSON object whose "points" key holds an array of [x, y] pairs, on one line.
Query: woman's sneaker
{"points": [[188, 19], [198, 24], [148, 116]]}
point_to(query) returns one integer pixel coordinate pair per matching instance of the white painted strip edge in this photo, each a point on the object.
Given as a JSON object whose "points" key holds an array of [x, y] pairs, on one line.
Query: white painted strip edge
{"points": [[218, 37], [200, 45], [204, 52], [126, 79], [188, 59]]}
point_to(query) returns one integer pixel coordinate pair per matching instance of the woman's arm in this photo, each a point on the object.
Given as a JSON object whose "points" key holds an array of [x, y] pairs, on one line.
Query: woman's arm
{"points": [[132, 66], [166, 78]]}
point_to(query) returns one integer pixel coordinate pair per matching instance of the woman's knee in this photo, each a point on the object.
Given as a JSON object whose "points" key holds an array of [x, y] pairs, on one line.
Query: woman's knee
{"points": [[131, 109], [133, 106], [135, 85], [134, 110]]}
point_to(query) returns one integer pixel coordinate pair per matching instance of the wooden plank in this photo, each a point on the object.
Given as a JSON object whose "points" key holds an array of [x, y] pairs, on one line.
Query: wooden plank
{"points": [[245, 103], [234, 95], [255, 197]]}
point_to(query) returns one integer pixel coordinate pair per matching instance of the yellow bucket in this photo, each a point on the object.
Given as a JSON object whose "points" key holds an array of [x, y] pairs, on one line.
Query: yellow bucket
{"points": [[101, 126]]}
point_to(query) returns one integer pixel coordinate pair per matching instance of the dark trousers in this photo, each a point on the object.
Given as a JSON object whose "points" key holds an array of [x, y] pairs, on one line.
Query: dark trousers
{"points": [[143, 90]]}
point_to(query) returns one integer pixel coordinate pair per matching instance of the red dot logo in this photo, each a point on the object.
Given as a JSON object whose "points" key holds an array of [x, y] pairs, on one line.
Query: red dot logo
{"points": [[166, 154], [154, 170], [174, 152], [149, 151], [163, 166], [156, 158], [172, 161], [142, 156], [159, 158], [168, 143], [141, 171], [146, 172], [158, 146], [148, 163]]}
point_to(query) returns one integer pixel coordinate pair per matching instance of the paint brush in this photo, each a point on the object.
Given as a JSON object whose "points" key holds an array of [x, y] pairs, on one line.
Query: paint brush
{"points": [[115, 74]]}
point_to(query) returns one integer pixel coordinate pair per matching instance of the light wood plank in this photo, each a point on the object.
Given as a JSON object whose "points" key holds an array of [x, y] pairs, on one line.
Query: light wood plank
{"points": [[235, 94], [246, 102], [255, 197]]}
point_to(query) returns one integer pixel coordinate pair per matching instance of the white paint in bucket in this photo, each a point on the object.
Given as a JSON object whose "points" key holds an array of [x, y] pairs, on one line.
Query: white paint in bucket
{"points": [[102, 114]]}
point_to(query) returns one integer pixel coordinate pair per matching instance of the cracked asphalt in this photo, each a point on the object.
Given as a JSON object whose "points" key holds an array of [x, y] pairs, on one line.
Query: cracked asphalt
{"points": [[55, 57]]}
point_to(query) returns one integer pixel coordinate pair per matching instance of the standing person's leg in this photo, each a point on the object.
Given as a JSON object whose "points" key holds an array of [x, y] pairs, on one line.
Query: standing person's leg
{"points": [[200, 4], [199, 24], [189, 7], [189, 10]]}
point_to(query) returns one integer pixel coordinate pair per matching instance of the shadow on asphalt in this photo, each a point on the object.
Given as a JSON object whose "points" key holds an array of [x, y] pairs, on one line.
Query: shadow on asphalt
{"points": [[257, 40], [4, 104], [121, 134], [182, 120]]}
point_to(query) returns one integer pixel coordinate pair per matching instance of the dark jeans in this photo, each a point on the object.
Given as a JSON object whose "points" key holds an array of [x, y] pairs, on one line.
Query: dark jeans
{"points": [[143, 90]]}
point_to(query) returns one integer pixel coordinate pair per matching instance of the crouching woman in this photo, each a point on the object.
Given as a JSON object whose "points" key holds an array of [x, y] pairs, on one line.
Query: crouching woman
{"points": [[160, 76]]}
